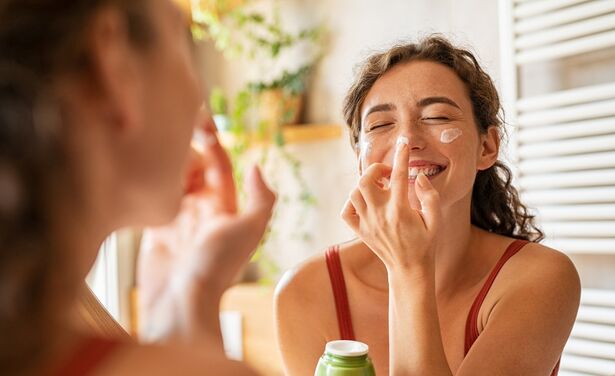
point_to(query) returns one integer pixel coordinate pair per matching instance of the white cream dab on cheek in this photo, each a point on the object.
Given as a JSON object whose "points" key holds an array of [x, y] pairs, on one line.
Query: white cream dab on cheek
{"points": [[365, 149], [449, 135]]}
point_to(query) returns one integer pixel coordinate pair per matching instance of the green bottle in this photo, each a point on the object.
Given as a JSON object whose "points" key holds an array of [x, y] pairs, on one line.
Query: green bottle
{"points": [[345, 358]]}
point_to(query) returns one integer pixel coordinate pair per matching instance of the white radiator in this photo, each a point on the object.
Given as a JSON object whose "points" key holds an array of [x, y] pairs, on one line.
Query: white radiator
{"points": [[563, 142], [591, 347]]}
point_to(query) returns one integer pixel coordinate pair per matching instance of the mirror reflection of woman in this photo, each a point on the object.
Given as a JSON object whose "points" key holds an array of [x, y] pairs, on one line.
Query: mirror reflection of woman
{"points": [[98, 104], [446, 276]]}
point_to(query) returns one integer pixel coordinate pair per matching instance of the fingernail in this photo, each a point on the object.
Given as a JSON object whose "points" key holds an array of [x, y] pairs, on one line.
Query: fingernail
{"points": [[420, 181], [402, 141]]}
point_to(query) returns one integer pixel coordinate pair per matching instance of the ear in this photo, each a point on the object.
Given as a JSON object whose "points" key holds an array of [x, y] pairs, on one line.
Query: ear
{"points": [[115, 69], [489, 148]]}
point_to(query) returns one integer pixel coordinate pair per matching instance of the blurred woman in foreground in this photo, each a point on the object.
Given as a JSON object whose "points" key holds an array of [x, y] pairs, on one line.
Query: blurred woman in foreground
{"points": [[98, 101]]}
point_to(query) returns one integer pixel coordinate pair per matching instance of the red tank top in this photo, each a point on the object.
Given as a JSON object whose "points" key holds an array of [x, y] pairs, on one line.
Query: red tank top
{"points": [[87, 358], [342, 307]]}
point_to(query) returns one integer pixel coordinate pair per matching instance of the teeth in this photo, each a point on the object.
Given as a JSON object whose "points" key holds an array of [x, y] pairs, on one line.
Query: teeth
{"points": [[414, 172]]}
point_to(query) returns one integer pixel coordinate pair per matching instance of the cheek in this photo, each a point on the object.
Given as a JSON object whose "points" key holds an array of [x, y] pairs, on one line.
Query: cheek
{"points": [[463, 165], [376, 151]]}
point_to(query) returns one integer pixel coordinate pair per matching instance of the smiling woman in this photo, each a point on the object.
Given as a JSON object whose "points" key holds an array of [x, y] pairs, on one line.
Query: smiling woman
{"points": [[431, 284]]}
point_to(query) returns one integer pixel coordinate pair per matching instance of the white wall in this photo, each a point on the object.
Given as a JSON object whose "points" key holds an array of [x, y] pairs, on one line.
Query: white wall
{"points": [[358, 27]]}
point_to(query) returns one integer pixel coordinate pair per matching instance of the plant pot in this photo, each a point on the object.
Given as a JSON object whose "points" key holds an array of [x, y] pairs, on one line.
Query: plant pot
{"points": [[277, 107]]}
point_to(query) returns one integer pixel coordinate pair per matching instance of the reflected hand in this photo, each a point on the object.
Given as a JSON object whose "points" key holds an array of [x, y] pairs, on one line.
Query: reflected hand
{"points": [[185, 267]]}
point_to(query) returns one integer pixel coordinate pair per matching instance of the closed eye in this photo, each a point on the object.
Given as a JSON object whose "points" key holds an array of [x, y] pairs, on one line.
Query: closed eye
{"points": [[373, 127], [436, 118]]}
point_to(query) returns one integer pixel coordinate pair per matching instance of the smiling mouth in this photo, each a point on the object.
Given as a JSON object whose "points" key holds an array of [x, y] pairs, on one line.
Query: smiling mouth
{"points": [[429, 171]]}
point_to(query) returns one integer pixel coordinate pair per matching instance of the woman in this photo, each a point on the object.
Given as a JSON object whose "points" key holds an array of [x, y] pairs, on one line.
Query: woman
{"points": [[437, 221], [98, 99]]}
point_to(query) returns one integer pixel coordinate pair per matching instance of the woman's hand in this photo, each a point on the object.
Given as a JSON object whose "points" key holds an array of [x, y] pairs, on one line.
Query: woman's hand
{"points": [[382, 217], [185, 267], [405, 240]]}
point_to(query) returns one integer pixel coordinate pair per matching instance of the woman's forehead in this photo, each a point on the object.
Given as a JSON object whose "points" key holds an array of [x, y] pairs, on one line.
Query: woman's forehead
{"points": [[416, 80]]}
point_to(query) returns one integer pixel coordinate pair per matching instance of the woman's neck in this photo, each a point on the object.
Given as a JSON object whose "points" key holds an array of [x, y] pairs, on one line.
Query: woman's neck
{"points": [[78, 232]]}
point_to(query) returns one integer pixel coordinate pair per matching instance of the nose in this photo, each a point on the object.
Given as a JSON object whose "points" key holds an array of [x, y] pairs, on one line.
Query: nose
{"points": [[416, 136]]}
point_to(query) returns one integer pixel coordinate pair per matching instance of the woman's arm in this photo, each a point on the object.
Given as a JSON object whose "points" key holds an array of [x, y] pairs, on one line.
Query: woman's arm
{"points": [[527, 328], [415, 342], [384, 220], [525, 332]]}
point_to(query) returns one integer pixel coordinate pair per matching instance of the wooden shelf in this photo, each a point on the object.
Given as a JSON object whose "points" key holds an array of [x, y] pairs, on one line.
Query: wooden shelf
{"points": [[311, 132], [296, 134]]}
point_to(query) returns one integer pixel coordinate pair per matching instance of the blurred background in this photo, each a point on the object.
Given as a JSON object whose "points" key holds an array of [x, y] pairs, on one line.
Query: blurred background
{"points": [[275, 73]]}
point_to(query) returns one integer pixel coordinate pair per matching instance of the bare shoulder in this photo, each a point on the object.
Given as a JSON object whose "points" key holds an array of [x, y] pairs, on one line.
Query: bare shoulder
{"points": [[156, 360], [547, 273], [538, 263]]}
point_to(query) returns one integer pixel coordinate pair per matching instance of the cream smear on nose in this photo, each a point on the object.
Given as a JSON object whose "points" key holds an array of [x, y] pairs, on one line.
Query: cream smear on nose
{"points": [[449, 135]]}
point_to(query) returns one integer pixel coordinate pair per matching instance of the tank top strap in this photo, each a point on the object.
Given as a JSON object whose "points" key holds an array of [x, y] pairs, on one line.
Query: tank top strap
{"points": [[338, 285], [471, 333], [84, 361]]}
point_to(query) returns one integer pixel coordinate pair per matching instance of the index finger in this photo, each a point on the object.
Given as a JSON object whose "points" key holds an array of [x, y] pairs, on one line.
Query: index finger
{"points": [[399, 175], [218, 169]]}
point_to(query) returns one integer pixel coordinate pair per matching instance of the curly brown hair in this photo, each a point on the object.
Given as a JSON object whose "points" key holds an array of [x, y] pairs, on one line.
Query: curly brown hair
{"points": [[40, 42], [496, 206]]}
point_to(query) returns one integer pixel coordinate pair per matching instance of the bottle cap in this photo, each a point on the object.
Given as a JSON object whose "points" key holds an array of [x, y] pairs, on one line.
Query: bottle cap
{"points": [[346, 348]]}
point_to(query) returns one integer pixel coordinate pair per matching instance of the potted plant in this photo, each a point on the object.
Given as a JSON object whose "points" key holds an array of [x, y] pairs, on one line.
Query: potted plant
{"points": [[264, 41], [257, 112], [281, 101]]}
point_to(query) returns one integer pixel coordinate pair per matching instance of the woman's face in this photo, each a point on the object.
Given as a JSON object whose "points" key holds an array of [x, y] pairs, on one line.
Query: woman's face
{"points": [[427, 103], [167, 104]]}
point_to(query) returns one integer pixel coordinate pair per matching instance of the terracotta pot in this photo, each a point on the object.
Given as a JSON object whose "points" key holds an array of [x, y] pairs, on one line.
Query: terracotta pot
{"points": [[278, 108]]}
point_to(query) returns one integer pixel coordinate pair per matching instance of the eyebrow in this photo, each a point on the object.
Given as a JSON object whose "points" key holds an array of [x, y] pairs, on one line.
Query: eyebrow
{"points": [[384, 107], [431, 100]]}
